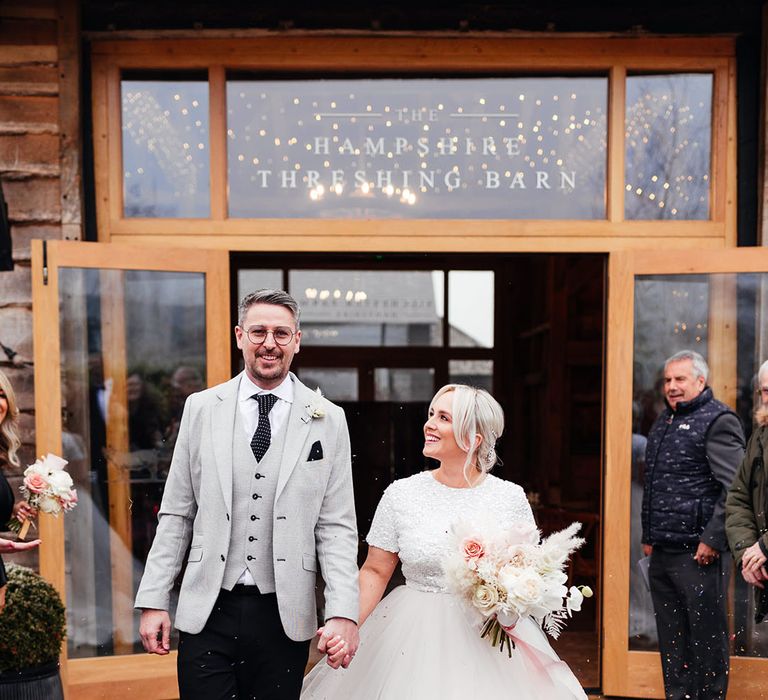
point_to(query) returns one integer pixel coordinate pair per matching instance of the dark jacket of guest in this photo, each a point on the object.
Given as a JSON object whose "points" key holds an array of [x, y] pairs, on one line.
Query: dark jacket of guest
{"points": [[746, 521], [6, 510], [691, 459]]}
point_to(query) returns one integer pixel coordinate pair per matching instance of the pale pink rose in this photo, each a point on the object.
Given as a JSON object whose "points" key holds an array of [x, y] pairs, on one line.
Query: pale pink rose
{"points": [[69, 501], [36, 483], [472, 548]]}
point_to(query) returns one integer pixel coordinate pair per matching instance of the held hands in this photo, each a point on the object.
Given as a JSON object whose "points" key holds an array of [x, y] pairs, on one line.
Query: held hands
{"points": [[339, 640], [647, 549], [705, 555], [155, 631]]}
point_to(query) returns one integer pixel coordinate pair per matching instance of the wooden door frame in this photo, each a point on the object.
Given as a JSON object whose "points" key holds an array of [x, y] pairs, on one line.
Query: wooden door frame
{"points": [[638, 673], [130, 675]]}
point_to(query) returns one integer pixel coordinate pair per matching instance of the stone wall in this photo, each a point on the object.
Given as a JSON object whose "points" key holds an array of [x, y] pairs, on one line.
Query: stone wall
{"points": [[33, 82]]}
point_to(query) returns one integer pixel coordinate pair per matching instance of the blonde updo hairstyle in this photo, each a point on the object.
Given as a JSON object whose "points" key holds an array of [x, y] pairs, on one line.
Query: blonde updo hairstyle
{"points": [[475, 413], [10, 442]]}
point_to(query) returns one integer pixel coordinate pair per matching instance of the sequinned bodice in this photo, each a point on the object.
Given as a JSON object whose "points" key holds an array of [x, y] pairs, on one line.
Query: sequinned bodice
{"points": [[415, 515]]}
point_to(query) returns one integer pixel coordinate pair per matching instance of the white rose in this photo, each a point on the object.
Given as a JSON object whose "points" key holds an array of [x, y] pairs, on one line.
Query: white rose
{"points": [[48, 505], [37, 468], [60, 482], [526, 588], [485, 598]]}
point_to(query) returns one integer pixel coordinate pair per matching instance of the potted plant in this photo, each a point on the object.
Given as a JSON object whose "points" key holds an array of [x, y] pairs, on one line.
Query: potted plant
{"points": [[32, 628]]}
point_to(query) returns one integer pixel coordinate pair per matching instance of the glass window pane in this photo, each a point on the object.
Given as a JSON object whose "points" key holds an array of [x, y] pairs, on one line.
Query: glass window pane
{"points": [[674, 312], [132, 350], [668, 146], [477, 373], [486, 148], [250, 280], [470, 308], [403, 385], [369, 308], [671, 314], [336, 383], [165, 148]]}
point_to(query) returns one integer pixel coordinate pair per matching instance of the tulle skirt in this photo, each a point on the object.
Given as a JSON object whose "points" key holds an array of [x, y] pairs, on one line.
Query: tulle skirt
{"points": [[427, 646]]}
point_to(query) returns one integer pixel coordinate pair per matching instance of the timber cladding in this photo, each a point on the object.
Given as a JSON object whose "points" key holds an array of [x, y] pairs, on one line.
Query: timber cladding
{"points": [[34, 34]]}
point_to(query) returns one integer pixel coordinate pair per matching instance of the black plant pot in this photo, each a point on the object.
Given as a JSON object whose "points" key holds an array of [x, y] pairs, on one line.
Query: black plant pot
{"points": [[34, 683]]}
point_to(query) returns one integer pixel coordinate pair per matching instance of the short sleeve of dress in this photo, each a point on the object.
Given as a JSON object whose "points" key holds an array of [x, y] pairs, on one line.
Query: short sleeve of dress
{"points": [[520, 508], [383, 532]]}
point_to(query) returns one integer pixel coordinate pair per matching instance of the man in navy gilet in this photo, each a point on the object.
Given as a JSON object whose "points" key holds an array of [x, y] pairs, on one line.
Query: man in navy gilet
{"points": [[693, 451]]}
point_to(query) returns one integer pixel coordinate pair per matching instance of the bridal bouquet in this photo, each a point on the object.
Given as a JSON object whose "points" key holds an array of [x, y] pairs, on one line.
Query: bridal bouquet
{"points": [[508, 574], [46, 487]]}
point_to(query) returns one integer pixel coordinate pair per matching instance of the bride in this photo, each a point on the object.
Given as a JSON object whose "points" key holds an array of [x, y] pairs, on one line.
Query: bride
{"points": [[420, 642]]}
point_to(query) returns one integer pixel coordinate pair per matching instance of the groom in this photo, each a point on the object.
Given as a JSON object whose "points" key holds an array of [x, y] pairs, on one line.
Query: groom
{"points": [[260, 494]]}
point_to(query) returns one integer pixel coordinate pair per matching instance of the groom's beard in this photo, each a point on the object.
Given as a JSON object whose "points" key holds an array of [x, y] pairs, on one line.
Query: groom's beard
{"points": [[278, 369]]}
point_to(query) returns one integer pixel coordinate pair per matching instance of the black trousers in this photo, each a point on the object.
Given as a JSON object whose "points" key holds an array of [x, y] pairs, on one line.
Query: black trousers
{"points": [[242, 653], [691, 618]]}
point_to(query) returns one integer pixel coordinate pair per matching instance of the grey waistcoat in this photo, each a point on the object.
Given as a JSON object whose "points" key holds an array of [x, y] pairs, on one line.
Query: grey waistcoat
{"points": [[252, 517]]}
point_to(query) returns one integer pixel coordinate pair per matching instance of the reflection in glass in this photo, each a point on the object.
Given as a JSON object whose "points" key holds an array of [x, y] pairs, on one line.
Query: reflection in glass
{"points": [[403, 385], [336, 383], [668, 146], [477, 373], [470, 308], [165, 148], [369, 308], [485, 148], [674, 312], [132, 351], [250, 280]]}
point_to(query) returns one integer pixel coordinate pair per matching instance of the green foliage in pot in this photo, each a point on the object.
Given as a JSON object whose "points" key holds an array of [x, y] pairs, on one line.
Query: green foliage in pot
{"points": [[33, 624]]}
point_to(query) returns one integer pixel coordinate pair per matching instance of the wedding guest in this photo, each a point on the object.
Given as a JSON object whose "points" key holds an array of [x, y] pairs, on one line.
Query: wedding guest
{"points": [[693, 450], [745, 509], [9, 447]]}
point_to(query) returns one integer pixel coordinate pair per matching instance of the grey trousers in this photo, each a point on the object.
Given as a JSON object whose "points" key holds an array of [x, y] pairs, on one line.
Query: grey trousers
{"points": [[689, 601]]}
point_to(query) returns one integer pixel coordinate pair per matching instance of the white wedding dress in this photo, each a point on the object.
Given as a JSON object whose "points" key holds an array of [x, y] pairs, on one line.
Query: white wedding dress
{"points": [[421, 642]]}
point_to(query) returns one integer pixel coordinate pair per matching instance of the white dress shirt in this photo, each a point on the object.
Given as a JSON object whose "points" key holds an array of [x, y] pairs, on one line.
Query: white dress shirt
{"points": [[249, 412], [249, 408]]}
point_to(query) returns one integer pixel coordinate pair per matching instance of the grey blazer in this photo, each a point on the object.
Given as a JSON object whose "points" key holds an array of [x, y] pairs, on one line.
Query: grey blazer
{"points": [[313, 522]]}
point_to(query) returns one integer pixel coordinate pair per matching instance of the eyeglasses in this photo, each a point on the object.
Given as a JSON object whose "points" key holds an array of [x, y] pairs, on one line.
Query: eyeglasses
{"points": [[763, 390], [282, 335]]}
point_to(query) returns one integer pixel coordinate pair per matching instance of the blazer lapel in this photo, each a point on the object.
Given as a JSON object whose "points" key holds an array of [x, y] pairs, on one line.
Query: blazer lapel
{"points": [[223, 431], [299, 423]]}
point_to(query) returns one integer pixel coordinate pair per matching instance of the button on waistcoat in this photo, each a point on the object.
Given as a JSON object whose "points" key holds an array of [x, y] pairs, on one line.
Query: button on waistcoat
{"points": [[253, 496], [680, 490]]}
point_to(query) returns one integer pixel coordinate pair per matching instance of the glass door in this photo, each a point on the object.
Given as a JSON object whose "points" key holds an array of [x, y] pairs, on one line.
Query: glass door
{"points": [[122, 336], [716, 303]]}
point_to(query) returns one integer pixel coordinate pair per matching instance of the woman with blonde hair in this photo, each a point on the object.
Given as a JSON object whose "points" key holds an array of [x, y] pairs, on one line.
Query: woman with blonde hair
{"points": [[419, 641], [10, 442]]}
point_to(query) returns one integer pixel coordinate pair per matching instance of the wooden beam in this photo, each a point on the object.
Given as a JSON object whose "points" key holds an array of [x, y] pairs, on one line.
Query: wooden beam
{"points": [[70, 128], [114, 359], [217, 136], [617, 97]]}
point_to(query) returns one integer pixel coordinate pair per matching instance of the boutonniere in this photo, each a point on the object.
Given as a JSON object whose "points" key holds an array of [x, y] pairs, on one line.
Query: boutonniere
{"points": [[314, 410]]}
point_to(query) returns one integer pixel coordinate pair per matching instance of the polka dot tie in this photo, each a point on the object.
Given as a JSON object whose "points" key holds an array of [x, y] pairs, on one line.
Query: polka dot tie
{"points": [[263, 435]]}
